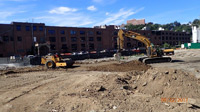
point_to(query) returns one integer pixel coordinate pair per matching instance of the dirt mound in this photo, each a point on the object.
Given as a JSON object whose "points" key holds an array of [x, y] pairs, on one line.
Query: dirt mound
{"points": [[122, 67], [145, 91]]}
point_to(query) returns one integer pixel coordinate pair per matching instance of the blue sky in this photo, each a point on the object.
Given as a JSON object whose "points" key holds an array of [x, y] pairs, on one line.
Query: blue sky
{"points": [[89, 13]]}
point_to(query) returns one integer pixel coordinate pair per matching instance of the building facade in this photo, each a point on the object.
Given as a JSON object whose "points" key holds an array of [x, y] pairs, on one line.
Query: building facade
{"points": [[20, 38], [136, 22], [195, 34]]}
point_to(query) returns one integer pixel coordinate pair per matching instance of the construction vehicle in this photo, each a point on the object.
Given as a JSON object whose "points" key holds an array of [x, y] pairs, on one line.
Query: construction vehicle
{"points": [[154, 53], [168, 51], [52, 61]]}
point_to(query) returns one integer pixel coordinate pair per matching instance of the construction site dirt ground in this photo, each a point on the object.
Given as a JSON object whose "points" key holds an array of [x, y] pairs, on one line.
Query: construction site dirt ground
{"points": [[105, 86]]}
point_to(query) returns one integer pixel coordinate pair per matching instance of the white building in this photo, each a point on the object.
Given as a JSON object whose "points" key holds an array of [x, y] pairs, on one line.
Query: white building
{"points": [[161, 29], [195, 34]]}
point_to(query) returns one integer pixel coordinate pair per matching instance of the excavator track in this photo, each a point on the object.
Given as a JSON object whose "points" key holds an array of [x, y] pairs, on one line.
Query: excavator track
{"points": [[147, 60]]}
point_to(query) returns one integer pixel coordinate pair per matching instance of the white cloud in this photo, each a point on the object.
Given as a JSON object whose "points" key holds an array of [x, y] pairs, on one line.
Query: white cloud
{"points": [[119, 17], [107, 13], [69, 19], [62, 10], [91, 8], [6, 14]]}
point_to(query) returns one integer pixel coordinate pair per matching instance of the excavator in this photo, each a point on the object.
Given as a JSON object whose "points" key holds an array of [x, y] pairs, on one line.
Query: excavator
{"points": [[154, 53]]}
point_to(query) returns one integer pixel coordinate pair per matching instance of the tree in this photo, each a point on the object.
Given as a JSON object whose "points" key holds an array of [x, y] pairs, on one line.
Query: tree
{"points": [[174, 26], [166, 45], [196, 22]]}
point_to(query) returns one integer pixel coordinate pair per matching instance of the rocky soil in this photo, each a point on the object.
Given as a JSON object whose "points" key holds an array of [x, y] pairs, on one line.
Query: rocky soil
{"points": [[104, 86]]}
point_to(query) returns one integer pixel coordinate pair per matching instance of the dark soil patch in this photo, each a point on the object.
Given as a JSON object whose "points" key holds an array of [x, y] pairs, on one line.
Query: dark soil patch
{"points": [[121, 67]]}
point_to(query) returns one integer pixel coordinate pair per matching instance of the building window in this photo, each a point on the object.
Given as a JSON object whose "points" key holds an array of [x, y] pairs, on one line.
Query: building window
{"points": [[62, 32], [19, 39], [174, 43], [11, 38], [73, 39], [91, 38], [53, 47], [74, 47], [5, 38], [63, 39], [115, 46], [163, 38], [91, 46], [115, 38], [20, 50], [128, 39], [83, 47], [42, 40], [115, 33], [82, 39], [52, 39], [166, 38], [27, 28], [51, 32], [64, 46], [98, 38], [18, 27], [72, 32], [98, 33], [41, 28], [90, 32], [34, 28], [139, 44], [128, 45], [82, 32]]}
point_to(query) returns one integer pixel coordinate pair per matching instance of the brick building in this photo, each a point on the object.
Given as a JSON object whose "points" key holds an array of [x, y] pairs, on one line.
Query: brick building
{"points": [[19, 38], [136, 22]]}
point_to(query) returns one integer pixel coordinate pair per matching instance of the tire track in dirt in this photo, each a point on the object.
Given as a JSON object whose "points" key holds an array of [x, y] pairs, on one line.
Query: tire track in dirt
{"points": [[27, 92], [72, 86], [58, 80], [29, 83]]}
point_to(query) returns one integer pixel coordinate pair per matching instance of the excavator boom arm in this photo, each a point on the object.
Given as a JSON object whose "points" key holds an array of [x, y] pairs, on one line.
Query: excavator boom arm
{"points": [[136, 36]]}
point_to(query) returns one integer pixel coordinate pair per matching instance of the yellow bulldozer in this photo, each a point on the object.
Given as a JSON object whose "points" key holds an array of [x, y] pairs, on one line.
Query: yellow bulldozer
{"points": [[53, 61]]}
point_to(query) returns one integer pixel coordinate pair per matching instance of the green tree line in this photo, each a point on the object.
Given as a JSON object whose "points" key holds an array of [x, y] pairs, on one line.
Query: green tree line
{"points": [[174, 26]]}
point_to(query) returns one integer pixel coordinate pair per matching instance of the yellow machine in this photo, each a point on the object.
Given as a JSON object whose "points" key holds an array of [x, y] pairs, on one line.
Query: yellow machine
{"points": [[52, 61], [154, 54], [168, 51]]}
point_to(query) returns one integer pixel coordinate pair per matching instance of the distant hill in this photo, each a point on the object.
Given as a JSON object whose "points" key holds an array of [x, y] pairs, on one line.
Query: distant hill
{"points": [[174, 26]]}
